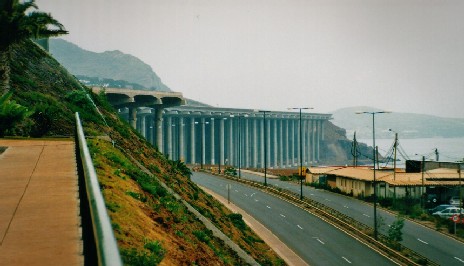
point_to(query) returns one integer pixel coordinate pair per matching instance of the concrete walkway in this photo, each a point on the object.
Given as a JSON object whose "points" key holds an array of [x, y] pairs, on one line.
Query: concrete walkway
{"points": [[39, 211]]}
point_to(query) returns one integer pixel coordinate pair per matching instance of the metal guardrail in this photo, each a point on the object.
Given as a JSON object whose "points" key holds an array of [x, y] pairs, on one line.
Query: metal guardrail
{"points": [[100, 246], [349, 224]]}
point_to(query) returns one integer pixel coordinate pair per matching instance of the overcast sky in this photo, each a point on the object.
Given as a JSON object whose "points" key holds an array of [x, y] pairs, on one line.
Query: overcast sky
{"points": [[396, 55]]}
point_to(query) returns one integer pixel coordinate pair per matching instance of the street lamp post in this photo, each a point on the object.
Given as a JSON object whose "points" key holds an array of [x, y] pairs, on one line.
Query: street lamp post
{"points": [[301, 149], [374, 153], [265, 145]]}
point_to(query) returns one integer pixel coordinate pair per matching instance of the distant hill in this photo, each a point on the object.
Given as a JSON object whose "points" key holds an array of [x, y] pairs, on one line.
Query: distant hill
{"points": [[408, 125], [109, 65]]}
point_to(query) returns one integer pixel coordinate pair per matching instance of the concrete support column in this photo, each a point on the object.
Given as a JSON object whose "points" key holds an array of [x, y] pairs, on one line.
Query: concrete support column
{"points": [[232, 140], [158, 128], [192, 140], [246, 148], [212, 142], [274, 142], [150, 132], [221, 141], [281, 145], [286, 141], [169, 137], [255, 143], [293, 140], [143, 125], [318, 140], [268, 141], [181, 140], [203, 143], [308, 141], [262, 143], [133, 117], [313, 136]]}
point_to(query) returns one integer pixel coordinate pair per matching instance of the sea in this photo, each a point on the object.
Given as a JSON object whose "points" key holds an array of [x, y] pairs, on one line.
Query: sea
{"points": [[449, 149]]}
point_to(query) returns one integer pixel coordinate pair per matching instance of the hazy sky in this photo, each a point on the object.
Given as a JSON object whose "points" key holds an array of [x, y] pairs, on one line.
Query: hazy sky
{"points": [[397, 55]]}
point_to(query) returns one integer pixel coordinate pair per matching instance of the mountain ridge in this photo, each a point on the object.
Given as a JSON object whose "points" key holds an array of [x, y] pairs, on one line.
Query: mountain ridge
{"points": [[407, 125], [114, 65]]}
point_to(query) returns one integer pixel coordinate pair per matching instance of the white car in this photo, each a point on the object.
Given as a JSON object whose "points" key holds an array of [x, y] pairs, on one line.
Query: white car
{"points": [[449, 212]]}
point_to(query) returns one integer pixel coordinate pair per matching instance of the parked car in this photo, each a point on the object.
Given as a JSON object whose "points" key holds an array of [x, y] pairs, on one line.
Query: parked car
{"points": [[449, 212], [455, 200], [432, 198], [439, 208]]}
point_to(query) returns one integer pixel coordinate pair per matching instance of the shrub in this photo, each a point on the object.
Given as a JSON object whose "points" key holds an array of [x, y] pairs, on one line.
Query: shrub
{"points": [[237, 220], [11, 113]]}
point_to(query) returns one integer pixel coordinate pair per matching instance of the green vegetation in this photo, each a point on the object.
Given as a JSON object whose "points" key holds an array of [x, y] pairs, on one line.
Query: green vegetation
{"points": [[11, 114], [395, 233]]}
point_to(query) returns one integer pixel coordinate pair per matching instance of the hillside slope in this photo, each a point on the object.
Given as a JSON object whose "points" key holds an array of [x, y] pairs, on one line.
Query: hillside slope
{"points": [[150, 225], [107, 65]]}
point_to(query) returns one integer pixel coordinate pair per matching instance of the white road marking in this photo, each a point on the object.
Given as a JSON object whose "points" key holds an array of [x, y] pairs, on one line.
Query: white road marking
{"points": [[236, 190], [420, 240], [256, 200], [282, 215], [327, 200], [246, 195], [253, 194], [346, 207], [311, 194], [268, 207], [346, 260], [459, 259], [366, 215], [299, 226]]}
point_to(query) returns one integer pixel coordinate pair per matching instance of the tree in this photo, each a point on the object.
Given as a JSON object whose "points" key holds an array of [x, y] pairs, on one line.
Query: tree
{"points": [[17, 26], [395, 234], [11, 113]]}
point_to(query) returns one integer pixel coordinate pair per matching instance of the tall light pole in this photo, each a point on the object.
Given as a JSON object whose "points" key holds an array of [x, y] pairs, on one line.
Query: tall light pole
{"points": [[374, 153], [301, 149], [265, 145]]}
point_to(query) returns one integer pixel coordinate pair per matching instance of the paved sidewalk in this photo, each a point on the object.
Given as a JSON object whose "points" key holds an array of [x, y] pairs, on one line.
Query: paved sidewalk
{"points": [[39, 205]]}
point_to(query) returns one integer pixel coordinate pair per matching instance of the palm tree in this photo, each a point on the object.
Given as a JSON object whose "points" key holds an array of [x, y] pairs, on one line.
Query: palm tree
{"points": [[17, 26]]}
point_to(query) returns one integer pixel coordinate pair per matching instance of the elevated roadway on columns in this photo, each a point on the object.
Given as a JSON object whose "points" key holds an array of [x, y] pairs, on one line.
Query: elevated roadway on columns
{"points": [[123, 97]]}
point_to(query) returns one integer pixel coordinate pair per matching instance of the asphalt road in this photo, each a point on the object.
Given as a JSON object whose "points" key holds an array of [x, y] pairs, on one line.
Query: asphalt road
{"points": [[429, 243], [314, 240]]}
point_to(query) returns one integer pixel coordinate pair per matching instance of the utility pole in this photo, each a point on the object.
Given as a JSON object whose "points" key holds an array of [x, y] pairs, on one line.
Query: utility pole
{"points": [[395, 145], [355, 151], [422, 188], [437, 155]]}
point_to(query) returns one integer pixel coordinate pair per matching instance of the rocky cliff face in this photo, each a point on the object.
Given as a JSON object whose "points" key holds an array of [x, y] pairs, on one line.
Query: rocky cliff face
{"points": [[336, 149]]}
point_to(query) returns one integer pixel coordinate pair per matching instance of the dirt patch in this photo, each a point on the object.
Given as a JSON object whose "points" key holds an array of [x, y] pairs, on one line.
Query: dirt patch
{"points": [[2, 149]]}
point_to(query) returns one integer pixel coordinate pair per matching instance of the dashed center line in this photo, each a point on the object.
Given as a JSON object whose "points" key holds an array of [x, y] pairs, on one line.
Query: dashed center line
{"points": [[366, 215], [253, 194], [346, 260], [236, 190], [346, 207], [256, 200], [282, 215], [327, 200], [320, 241], [299, 226], [268, 207], [459, 259], [420, 240]]}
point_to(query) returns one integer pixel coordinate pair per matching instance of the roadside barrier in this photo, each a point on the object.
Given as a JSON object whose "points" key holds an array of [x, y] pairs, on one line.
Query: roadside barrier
{"points": [[100, 246]]}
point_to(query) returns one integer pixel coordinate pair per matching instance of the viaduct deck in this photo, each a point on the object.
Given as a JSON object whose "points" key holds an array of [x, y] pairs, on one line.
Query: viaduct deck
{"points": [[39, 204]]}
